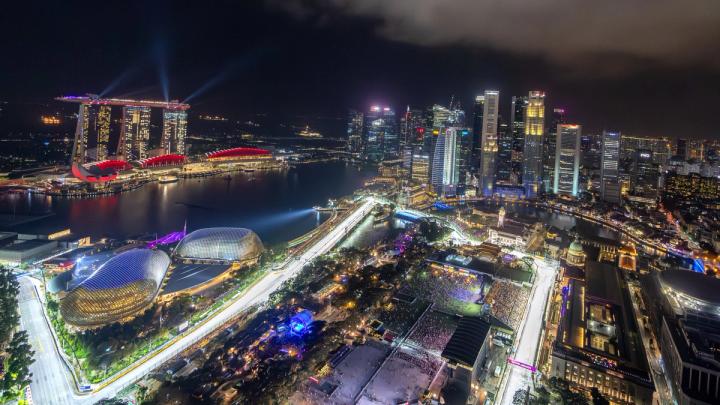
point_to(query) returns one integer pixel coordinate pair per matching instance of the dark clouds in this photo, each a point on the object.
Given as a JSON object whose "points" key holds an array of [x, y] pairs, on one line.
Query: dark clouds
{"points": [[609, 36]]}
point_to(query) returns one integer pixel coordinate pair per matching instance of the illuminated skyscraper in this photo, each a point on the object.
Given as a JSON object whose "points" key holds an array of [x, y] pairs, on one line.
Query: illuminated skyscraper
{"points": [[503, 164], [477, 129], [354, 131], [533, 149], [412, 127], [489, 142], [440, 116], [174, 131], [445, 173], [609, 167], [557, 118], [102, 128], [135, 133], [517, 132], [380, 134], [567, 159], [81, 135]]}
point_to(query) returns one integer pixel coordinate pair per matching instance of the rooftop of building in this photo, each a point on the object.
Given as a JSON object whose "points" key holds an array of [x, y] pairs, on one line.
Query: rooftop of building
{"points": [[187, 276], [482, 265], [465, 344], [599, 326], [26, 245], [696, 285]]}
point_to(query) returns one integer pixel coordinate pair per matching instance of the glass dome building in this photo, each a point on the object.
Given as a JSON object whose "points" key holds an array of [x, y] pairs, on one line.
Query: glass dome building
{"points": [[119, 289], [220, 244]]}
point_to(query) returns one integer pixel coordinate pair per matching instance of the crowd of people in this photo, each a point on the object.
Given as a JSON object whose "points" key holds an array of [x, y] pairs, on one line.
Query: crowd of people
{"points": [[427, 363], [507, 302], [451, 292], [433, 332]]}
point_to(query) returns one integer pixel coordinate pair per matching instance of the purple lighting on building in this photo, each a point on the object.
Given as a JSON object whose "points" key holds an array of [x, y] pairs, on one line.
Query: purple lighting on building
{"points": [[172, 237]]}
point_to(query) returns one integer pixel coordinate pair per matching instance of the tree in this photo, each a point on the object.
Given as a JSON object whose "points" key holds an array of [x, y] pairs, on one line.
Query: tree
{"points": [[9, 317], [14, 344], [17, 375], [598, 398]]}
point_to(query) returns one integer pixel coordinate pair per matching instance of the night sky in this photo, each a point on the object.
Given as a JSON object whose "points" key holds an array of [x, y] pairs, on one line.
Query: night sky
{"points": [[650, 68]]}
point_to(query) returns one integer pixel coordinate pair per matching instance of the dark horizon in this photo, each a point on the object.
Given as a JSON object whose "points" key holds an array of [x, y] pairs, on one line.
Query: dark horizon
{"points": [[320, 59]]}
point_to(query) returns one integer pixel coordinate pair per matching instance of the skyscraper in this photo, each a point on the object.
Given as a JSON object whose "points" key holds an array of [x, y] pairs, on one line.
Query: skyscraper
{"points": [[567, 159], [489, 142], [174, 131], [533, 148], [135, 133], [411, 127], [610, 167], [503, 164], [81, 135], [517, 132], [102, 128], [644, 174], [355, 131], [380, 134], [445, 173], [681, 148], [440, 116], [557, 118], [477, 129]]}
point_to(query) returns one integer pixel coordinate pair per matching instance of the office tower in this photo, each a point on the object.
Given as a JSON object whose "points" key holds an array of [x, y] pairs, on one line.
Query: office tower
{"points": [[174, 131], [567, 160], [644, 174], [503, 164], [696, 149], [660, 147], [102, 128], [465, 169], [681, 149], [557, 118], [135, 133], [476, 144], [80, 143], [420, 171], [380, 135], [440, 116], [354, 131], [610, 167], [489, 142], [412, 127], [445, 173], [533, 148], [517, 132]]}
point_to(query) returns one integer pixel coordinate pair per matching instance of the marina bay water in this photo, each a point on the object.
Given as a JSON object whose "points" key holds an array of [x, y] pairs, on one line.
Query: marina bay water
{"points": [[277, 205]]}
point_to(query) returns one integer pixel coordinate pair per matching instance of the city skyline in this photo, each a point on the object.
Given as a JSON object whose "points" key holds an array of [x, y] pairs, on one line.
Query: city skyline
{"points": [[303, 75]]}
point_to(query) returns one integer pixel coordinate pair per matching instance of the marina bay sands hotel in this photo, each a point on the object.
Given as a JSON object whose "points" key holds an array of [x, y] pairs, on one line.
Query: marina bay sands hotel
{"points": [[92, 134]]}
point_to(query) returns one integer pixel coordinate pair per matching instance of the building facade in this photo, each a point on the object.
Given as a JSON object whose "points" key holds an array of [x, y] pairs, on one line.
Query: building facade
{"points": [[533, 147], [489, 141], [174, 131], [610, 167], [566, 173], [135, 133]]}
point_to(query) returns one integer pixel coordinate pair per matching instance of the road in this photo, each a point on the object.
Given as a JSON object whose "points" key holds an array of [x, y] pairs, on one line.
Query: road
{"points": [[654, 358], [529, 336], [53, 388], [50, 382]]}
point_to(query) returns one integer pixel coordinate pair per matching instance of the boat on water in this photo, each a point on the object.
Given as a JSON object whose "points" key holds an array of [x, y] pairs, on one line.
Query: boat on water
{"points": [[167, 179]]}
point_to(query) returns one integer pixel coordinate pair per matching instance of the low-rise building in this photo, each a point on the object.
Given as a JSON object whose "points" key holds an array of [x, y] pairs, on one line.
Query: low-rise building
{"points": [[598, 343]]}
